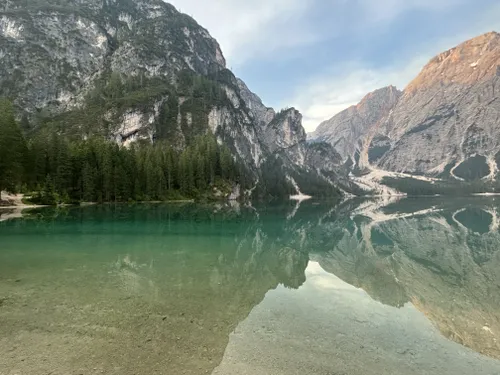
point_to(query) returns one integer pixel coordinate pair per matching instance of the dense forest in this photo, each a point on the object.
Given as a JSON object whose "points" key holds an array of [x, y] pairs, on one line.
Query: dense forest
{"points": [[54, 169]]}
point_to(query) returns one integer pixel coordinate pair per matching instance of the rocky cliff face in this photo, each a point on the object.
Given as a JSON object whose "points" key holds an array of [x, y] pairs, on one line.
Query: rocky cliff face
{"points": [[445, 124], [134, 70], [448, 121], [284, 131], [53, 52], [345, 130], [261, 114]]}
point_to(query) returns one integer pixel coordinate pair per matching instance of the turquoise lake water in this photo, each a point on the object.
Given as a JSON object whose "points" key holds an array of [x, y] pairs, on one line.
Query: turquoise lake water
{"points": [[407, 286]]}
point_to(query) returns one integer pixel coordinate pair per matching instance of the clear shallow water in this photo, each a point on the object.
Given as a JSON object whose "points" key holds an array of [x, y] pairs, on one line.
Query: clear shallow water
{"points": [[408, 287]]}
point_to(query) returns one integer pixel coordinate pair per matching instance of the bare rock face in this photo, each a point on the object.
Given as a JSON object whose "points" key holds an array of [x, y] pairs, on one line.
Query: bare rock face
{"points": [[449, 114], [53, 52], [470, 62], [285, 130], [284, 142], [261, 114], [345, 130], [445, 123]]}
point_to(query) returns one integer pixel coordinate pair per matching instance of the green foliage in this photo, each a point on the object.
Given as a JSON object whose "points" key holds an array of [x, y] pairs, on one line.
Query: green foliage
{"points": [[190, 103], [13, 150], [473, 168], [315, 185], [191, 97], [280, 116], [377, 152], [124, 92], [276, 182], [166, 126], [273, 182], [113, 94], [101, 171]]}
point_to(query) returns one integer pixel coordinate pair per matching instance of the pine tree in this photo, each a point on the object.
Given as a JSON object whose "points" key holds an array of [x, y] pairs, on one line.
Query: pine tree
{"points": [[226, 163], [150, 176], [200, 172], [88, 188], [25, 124], [48, 192], [170, 168], [106, 169], [167, 121], [211, 158], [63, 169], [114, 89], [13, 149], [99, 170]]}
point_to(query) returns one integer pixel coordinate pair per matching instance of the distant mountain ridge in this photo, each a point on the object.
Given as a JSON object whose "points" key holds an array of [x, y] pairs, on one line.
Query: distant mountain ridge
{"points": [[446, 123]]}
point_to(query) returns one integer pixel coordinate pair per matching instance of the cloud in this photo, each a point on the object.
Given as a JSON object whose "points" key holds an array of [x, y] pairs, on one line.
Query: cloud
{"points": [[252, 29], [386, 10], [325, 95], [262, 29]]}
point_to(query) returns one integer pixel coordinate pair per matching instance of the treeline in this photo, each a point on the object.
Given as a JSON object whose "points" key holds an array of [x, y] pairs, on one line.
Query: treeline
{"points": [[275, 181], [97, 170], [14, 158], [416, 187]]}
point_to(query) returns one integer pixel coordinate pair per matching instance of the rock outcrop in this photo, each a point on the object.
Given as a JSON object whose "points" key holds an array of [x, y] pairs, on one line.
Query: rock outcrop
{"points": [[261, 114], [345, 130], [54, 52]]}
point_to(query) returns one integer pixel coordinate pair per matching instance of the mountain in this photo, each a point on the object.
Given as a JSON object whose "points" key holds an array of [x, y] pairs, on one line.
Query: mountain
{"points": [[135, 71], [445, 124], [348, 127]]}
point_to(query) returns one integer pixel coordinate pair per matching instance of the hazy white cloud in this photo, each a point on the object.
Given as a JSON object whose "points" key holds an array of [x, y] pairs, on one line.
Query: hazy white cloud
{"points": [[259, 29], [252, 29], [325, 95], [386, 10]]}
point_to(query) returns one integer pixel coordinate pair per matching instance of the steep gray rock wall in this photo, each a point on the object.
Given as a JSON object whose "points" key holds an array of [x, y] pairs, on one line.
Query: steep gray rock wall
{"points": [[52, 53], [261, 114], [346, 130], [284, 131], [449, 113]]}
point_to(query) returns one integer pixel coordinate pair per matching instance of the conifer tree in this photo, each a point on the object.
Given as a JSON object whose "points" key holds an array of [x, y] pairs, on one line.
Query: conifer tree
{"points": [[88, 188], [13, 149]]}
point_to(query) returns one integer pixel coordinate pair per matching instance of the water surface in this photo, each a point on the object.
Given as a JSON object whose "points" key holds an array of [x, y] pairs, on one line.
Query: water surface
{"points": [[394, 287]]}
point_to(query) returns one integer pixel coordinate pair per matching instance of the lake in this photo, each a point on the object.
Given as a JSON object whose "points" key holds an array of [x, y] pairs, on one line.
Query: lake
{"points": [[408, 286]]}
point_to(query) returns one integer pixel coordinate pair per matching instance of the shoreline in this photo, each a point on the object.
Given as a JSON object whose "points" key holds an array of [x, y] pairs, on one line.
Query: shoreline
{"points": [[88, 204], [15, 201], [23, 206]]}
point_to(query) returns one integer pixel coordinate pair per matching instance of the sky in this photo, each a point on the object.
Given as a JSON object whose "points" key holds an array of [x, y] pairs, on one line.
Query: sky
{"points": [[322, 56]]}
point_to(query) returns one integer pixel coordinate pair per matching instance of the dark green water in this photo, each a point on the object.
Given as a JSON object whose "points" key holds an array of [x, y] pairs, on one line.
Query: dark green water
{"points": [[407, 287]]}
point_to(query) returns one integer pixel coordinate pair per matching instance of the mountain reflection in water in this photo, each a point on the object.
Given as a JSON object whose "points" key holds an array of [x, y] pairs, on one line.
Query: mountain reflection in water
{"points": [[193, 289]]}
